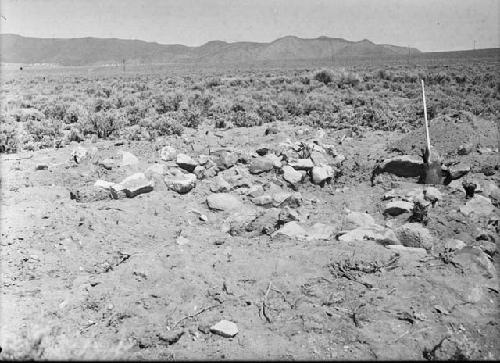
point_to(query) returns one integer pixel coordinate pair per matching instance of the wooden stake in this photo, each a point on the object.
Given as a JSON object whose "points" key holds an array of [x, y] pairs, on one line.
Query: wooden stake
{"points": [[426, 124]]}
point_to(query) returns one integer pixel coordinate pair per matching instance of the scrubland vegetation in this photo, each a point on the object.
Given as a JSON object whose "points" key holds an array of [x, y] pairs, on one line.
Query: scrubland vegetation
{"points": [[39, 111]]}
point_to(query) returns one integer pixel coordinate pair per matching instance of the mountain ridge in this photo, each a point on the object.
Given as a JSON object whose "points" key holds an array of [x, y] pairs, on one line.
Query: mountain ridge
{"points": [[91, 51]]}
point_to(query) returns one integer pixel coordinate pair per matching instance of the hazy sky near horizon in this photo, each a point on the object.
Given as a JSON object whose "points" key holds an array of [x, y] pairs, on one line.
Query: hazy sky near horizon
{"points": [[430, 25]]}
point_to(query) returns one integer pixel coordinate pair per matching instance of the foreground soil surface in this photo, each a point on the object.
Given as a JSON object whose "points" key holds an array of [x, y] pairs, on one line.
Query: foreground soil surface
{"points": [[112, 278]]}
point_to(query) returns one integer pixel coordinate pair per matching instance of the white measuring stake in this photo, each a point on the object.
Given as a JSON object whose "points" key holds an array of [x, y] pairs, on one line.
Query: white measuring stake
{"points": [[425, 119]]}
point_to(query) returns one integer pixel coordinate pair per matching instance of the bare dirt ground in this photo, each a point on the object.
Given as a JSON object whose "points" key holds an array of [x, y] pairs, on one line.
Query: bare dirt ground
{"points": [[112, 278]]}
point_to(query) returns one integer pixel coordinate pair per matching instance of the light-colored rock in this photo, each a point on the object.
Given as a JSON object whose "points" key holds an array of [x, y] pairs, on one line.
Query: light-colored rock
{"points": [[275, 159], [224, 202], [224, 159], [320, 231], [292, 176], [318, 158], [168, 153], [260, 165], [415, 235], [181, 241], [432, 194], [179, 182], [79, 154], [358, 219], [322, 174], [129, 159], [395, 208], [186, 162], [225, 328], [220, 185], [302, 164], [459, 170], [255, 191], [453, 244], [415, 251], [478, 206], [292, 230], [374, 233], [203, 159], [104, 184], [134, 185]]}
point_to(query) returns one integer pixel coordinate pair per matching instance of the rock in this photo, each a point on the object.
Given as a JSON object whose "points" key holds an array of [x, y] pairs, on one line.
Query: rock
{"points": [[92, 194], [292, 176], [465, 149], [186, 162], [375, 233], [318, 159], [260, 165], [224, 202], [474, 259], [129, 159], [453, 244], [459, 170], [357, 219], [302, 164], [203, 159], [404, 166], [199, 171], [266, 223], [179, 182], [107, 164], [168, 153], [181, 241], [398, 207], [275, 159], [224, 159], [322, 174], [220, 185], [338, 160], [155, 169], [225, 328], [288, 215], [479, 206], [432, 194], [320, 231], [415, 235], [41, 167], [104, 184], [263, 200], [255, 191], [134, 185], [414, 251], [239, 220], [79, 154], [292, 230]]}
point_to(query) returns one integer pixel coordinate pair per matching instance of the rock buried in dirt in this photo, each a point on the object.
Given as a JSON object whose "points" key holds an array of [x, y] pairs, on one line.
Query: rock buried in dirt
{"points": [[179, 182], [129, 159], [220, 185], [415, 235], [292, 230], [398, 207], [322, 174], [90, 194], [415, 251], [358, 219], [320, 231], [186, 162], [374, 233], [292, 176], [168, 153], [405, 166], [224, 202], [479, 206], [225, 328], [134, 185]]}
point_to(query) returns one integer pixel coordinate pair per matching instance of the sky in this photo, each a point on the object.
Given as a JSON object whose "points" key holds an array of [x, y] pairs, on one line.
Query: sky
{"points": [[429, 25]]}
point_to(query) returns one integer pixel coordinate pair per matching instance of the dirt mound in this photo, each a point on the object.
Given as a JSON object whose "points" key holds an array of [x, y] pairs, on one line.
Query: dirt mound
{"points": [[448, 133]]}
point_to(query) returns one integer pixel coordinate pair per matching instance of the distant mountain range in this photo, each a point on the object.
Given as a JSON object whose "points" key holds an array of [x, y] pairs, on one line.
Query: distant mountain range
{"points": [[95, 51]]}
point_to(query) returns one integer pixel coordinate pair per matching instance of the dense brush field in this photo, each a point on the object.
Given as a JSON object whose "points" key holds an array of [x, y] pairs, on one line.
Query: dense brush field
{"points": [[47, 110]]}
